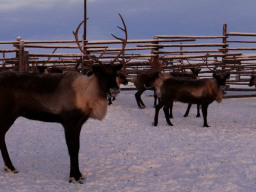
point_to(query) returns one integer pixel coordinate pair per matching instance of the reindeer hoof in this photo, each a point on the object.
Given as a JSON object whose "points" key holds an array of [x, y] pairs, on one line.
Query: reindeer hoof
{"points": [[7, 169], [81, 180], [154, 124]]}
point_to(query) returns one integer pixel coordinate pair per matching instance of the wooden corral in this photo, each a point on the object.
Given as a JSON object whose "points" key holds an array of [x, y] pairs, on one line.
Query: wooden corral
{"points": [[228, 51]]}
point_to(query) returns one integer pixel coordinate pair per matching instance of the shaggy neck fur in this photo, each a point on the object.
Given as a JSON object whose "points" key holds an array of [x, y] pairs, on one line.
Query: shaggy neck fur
{"points": [[89, 98]]}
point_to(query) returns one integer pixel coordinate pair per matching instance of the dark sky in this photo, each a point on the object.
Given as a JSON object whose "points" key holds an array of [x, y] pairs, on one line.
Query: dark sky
{"points": [[56, 19]]}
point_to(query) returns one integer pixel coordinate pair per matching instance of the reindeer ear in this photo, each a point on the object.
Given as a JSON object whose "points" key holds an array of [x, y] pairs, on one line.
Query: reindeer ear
{"points": [[96, 69], [227, 76], [118, 67], [214, 75]]}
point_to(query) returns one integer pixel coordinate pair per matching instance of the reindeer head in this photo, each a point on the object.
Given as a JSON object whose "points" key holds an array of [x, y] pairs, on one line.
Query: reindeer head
{"points": [[107, 78], [195, 70], [121, 77], [221, 78], [151, 79], [219, 75]]}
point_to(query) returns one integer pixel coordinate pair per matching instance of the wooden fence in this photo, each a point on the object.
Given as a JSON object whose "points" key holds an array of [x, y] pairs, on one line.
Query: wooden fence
{"points": [[228, 51]]}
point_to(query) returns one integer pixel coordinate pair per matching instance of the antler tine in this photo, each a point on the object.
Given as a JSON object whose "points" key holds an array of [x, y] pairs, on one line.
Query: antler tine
{"points": [[206, 62], [123, 40], [127, 61], [124, 62], [118, 38], [231, 68], [77, 40]]}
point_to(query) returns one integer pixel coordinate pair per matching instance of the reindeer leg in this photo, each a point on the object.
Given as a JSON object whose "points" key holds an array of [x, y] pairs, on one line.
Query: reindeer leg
{"points": [[188, 109], [72, 135], [158, 107], [139, 101], [155, 99], [166, 112], [170, 109], [5, 124], [109, 100], [198, 110], [204, 111]]}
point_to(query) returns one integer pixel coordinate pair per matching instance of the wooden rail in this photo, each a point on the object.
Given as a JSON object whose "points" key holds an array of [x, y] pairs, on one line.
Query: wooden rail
{"points": [[179, 52]]}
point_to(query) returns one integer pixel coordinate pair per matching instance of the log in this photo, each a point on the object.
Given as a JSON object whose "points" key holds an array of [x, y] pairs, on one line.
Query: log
{"points": [[240, 34], [60, 46], [8, 50], [184, 45], [187, 36]]}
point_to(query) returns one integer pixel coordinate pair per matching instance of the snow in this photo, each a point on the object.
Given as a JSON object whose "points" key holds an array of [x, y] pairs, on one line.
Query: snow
{"points": [[124, 152]]}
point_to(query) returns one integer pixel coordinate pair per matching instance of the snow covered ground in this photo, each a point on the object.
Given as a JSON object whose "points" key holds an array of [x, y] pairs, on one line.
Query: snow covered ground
{"points": [[124, 152]]}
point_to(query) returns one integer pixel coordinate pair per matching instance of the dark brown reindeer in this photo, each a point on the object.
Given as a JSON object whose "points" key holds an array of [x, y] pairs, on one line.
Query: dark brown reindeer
{"points": [[187, 75], [202, 91], [47, 70], [252, 81], [69, 99], [157, 65]]}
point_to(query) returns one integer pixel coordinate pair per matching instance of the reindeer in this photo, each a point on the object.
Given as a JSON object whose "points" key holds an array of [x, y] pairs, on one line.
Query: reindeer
{"points": [[187, 75], [252, 81], [47, 70], [202, 91], [67, 98], [143, 77]]}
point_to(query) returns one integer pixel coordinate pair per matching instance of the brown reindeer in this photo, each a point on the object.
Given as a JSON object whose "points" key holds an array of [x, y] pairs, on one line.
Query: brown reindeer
{"points": [[142, 77], [120, 79], [202, 91], [121, 76], [252, 81], [67, 98]]}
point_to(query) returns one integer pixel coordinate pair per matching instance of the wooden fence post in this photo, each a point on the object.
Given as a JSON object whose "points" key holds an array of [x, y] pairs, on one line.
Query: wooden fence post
{"points": [[3, 62], [26, 61], [224, 41], [156, 48], [20, 55], [181, 53]]}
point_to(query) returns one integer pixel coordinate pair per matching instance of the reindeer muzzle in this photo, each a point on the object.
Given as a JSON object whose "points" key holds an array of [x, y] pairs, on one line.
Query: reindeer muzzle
{"points": [[113, 92], [251, 84], [222, 89]]}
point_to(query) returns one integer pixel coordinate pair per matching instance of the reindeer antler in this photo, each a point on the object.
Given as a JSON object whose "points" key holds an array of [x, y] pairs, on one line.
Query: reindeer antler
{"points": [[77, 40], [156, 63], [124, 40], [215, 71], [206, 62], [124, 62], [95, 59]]}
